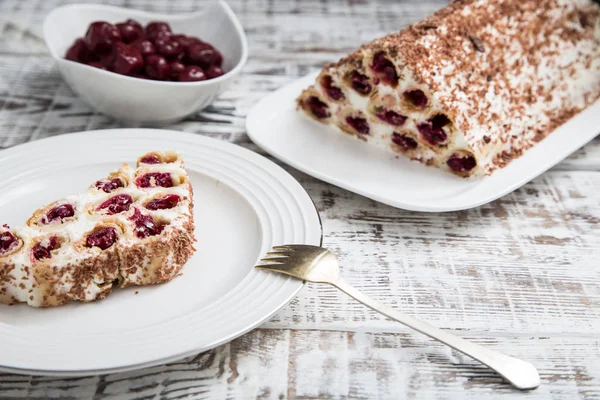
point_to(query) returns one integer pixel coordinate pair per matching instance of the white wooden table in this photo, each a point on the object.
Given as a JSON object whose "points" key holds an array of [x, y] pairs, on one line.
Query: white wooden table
{"points": [[520, 275]]}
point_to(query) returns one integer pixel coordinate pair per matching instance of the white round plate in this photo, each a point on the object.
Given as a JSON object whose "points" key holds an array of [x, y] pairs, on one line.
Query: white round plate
{"points": [[244, 204], [320, 150]]}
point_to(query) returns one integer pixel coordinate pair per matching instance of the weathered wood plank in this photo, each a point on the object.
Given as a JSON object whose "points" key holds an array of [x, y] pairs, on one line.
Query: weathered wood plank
{"points": [[284, 364], [525, 263]]}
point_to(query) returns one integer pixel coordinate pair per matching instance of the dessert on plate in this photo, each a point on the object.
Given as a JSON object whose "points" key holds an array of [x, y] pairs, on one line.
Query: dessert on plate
{"points": [[469, 88], [134, 227]]}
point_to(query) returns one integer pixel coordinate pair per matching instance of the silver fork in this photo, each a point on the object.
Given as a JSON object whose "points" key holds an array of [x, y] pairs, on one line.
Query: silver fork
{"points": [[316, 264]]}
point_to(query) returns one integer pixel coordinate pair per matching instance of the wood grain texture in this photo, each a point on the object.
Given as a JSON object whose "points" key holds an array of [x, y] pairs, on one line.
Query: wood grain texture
{"points": [[520, 275], [306, 364], [523, 263]]}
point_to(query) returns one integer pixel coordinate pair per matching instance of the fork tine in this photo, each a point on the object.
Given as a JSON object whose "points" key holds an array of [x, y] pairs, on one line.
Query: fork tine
{"points": [[276, 267], [273, 260], [283, 248], [276, 254]]}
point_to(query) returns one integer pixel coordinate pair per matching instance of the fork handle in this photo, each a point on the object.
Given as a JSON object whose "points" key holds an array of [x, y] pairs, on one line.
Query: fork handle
{"points": [[519, 373]]}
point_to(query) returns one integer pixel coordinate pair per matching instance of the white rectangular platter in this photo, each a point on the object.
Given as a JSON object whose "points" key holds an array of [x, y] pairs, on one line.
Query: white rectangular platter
{"points": [[319, 150]]}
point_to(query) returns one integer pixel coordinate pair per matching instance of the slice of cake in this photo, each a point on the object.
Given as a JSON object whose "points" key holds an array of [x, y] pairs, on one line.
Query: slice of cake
{"points": [[134, 227], [469, 88]]}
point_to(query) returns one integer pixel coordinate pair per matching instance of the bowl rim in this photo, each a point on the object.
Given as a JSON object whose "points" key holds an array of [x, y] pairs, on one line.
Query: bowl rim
{"points": [[157, 15]]}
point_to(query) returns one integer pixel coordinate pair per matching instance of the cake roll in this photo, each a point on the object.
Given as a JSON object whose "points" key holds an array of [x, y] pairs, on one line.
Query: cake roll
{"points": [[469, 88], [134, 227]]}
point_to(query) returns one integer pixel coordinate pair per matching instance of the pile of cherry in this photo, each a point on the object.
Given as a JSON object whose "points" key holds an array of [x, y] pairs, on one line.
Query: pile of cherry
{"points": [[153, 52]]}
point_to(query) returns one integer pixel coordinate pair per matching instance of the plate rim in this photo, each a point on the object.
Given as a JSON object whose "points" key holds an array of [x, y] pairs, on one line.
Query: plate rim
{"points": [[253, 128], [198, 139]]}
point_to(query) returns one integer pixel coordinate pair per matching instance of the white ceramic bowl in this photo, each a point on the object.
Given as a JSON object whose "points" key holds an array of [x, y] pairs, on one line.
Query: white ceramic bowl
{"points": [[142, 101]]}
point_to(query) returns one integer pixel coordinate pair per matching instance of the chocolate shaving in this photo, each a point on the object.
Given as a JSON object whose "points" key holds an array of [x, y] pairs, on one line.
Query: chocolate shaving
{"points": [[428, 26], [539, 135], [477, 43], [486, 139], [585, 21]]}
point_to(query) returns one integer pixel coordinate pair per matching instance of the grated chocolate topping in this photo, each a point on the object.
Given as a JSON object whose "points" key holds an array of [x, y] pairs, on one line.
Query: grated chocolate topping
{"points": [[516, 64]]}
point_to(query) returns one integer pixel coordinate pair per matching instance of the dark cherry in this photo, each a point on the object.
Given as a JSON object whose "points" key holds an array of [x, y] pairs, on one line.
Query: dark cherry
{"points": [[461, 164], [416, 97], [101, 37], [59, 212], [168, 47], [185, 40], [128, 60], [78, 52], [154, 179], [116, 204], [439, 121], [144, 225], [431, 134], [201, 54], [404, 141], [214, 72], [7, 242], [102, 237], [157, 67], [317, 107], [107, 60], [432, 129], [332, 91], [162, 35], [176, 68], [153, 29], [144, 46], [163, 203], [130, 30], [109, 185], [360, 82], [192, 73], [359, 124], [385, 67], [98, 64], [150, 159], [38, 251], [218, 61], [391, 117]]}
